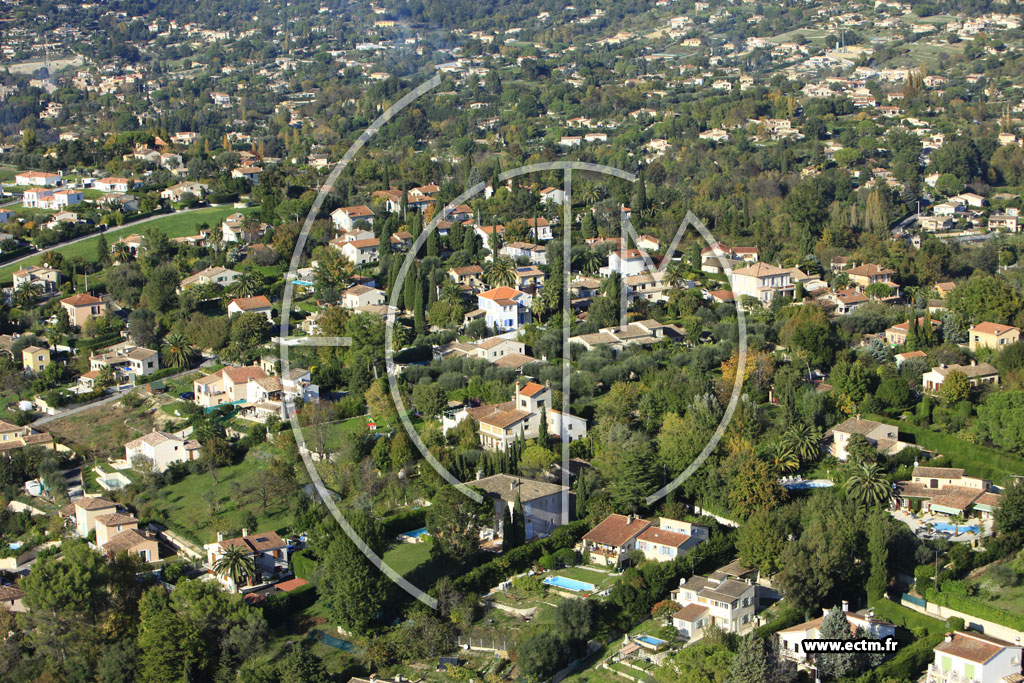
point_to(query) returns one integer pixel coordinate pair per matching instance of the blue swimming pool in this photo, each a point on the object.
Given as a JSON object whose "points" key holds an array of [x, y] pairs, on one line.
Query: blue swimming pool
{"points": [[946, 526], [304, 283], [416, 533], [651, 640], [569, 584], [808, 484]]}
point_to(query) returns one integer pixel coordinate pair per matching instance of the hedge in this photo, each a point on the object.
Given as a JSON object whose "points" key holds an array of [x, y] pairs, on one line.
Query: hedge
{"points": [[490, 574], [98, 342], [279, 606], [141, 380], [973, 606], [908, 663], [303, 564], [789, 615]]}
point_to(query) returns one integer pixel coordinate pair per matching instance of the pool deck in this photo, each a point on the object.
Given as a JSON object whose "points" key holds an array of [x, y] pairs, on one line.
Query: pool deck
{"points": [[919, 525]]}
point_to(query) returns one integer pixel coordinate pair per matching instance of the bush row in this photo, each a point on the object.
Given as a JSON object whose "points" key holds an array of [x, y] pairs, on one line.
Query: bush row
{"points": [[953, 596]]}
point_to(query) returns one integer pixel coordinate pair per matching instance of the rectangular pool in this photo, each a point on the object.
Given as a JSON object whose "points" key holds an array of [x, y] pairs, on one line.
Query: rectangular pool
{"points": [[416, 533], [569, 584], [651, 640], [964, 528]]}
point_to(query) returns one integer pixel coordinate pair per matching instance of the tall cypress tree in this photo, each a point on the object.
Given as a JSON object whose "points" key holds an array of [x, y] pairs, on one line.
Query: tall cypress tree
{"points": [[518, 522], [419, 305], [409, 289], [878, 548]]}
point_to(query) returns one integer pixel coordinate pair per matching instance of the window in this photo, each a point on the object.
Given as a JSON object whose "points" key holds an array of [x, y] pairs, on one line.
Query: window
{"points": [[947, 663], [968, 671]]}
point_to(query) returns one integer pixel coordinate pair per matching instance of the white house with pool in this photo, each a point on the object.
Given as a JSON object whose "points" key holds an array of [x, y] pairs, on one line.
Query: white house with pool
{"points": [[718, 600]]}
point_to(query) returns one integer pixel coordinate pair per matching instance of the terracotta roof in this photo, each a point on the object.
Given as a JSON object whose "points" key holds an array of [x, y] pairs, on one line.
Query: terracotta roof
{"points": [[505, 486], [290, 585], [973, 647], [243, 374], [251, 303], [939, 472], [760, 269], [81, 300], [126, 540], [690, 613], [116, 518], [615, 530], [653, 534], [256, 543], [532, 389], [467, 270], [500, 293], [992, 328], [94, 503], [11, 593], [870, 269]]}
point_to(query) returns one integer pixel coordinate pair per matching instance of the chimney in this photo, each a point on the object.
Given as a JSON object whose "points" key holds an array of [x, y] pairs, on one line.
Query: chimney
{"points": [[245, 532], [220, 536], [974, 363], [479, 474], [949, 637], [824, 611], [846, 605]]}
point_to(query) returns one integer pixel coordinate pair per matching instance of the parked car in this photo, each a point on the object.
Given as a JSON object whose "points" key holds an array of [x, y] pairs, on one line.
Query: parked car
{"points": [[187, 395]]}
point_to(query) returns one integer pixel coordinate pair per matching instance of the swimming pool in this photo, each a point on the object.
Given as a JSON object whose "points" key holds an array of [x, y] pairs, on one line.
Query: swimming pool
{"points": [[416, 533], [303, 283], [808, 484], [946, 526], [651, 640], [569, 584]]}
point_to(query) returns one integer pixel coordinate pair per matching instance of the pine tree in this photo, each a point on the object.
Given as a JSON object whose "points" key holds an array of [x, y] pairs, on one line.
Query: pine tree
{"points": [[835, 665]]}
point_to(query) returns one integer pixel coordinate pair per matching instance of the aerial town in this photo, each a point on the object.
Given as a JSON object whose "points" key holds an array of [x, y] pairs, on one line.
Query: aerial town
{"points": [[415, 341]]}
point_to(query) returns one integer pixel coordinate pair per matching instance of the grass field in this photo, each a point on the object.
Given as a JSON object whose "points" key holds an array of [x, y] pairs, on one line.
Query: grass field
{"points": [[1010, 597], [103, 428], [173, 225], [200, 505]]}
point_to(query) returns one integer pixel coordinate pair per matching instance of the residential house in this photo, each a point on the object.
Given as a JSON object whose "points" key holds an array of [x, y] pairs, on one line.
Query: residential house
{"points": [[542, 502], [127, 360], [238, 229], [86, 510], [901, 358], [227, 385], [610, 542], [761, 281], [976, 373], [114, 184], [625, 263], [501, 424], [670, 539], [533, 253], [552, 195], [968, 656], [251, 304], [27, 178], [347, 216], [947, 491], [988, 335], [639, 332], [717, 600], [131, 540], [268, 551], [505, 308], [214, 275], [1003, 221], [869, 273], [177, 192], [35, 358], [495, 350], [713, 256], [43, 278], [847, 300], [81, 307], [936, 223], [791, 639], [944, 288], [361, 295], [250, 173], [132, 244], [969, 199], [470, 277], [883, 437], [162, 449], [897, 334], [13, 437], [529, 279], [359, 252], [11, 598]]}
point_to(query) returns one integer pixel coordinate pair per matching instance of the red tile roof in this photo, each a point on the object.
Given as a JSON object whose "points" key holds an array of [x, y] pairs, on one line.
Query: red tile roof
{"points": [[616, 530]]}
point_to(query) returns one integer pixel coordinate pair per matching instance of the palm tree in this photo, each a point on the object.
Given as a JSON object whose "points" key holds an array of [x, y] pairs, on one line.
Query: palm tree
{"points": [[247, 284], [957, 519], [804, 441], [592, 194], [538, 307], [783, 458], [451, 293], [235, 564], [590, 262], [676, 273], [177, 352], [121, 253], [26, 293], [868, 486], [501, 272]]}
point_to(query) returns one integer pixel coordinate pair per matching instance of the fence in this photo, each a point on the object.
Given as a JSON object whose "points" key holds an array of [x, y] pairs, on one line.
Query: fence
{"points": [[942, 613], [484, 644]]}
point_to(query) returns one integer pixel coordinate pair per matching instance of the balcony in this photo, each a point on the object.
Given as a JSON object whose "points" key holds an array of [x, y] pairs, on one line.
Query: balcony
{"points": [[937, 675]]}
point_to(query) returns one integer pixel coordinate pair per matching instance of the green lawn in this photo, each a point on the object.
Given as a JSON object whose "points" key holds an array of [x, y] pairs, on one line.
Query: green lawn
{"points": [[598, 578], [173, 225], [200, 505], [1009, 597], [412, 560], [899, 615]]}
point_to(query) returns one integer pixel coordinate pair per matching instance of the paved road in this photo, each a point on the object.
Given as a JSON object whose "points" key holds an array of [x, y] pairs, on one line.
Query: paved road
{"points": [[108, 232], [103, 401]]}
